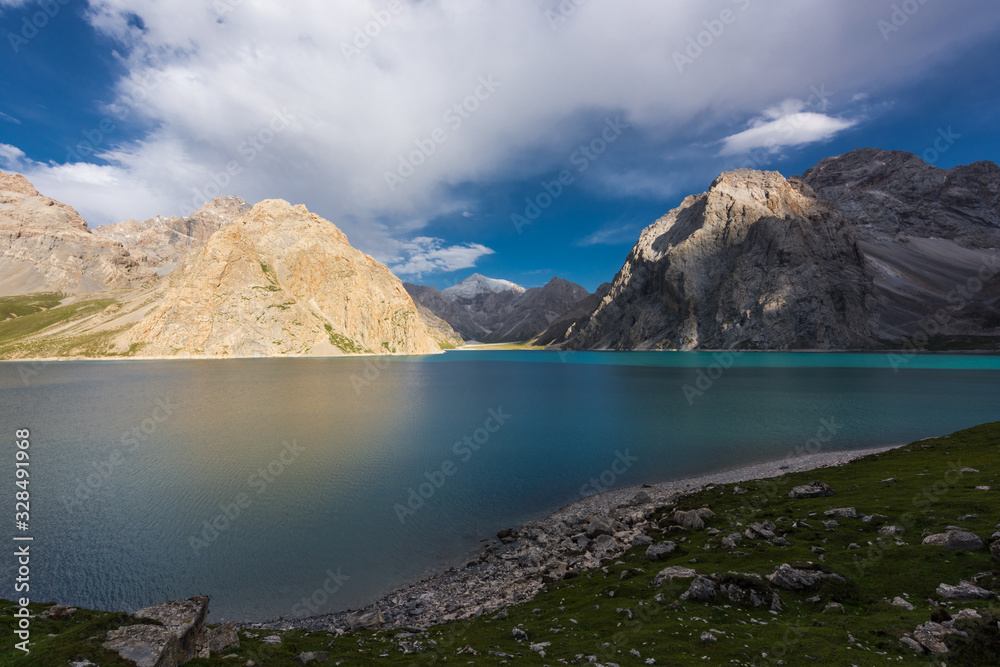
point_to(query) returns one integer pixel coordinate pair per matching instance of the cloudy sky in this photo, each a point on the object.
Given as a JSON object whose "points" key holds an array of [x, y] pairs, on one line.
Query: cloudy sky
{"points": [[518, 138]]}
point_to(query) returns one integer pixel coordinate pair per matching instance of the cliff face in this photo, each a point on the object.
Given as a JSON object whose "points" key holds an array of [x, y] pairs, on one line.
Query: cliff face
{"points": [[281, 281], [498, 311], [757, 262], [45, 246], [163, 243]]}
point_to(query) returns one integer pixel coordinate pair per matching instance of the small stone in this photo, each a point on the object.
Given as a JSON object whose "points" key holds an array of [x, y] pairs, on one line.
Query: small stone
{"points": [[508, 535], [831, 524], [995, 550], [673, 572], [900, 602], [273, 640], [833, 606], [910, 643], [519, 634], [702, 589], [890, 530], [968, 470], [708, 637], [812, 490], [641, 498]]}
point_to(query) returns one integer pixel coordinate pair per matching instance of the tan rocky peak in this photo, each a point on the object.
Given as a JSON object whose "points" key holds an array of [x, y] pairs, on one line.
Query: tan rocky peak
{"points": [[10, 182], [277, 214], [767, 190]]}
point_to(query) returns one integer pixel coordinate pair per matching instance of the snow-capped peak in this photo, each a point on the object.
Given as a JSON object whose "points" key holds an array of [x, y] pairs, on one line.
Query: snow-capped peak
{"points": [[477, 284]]}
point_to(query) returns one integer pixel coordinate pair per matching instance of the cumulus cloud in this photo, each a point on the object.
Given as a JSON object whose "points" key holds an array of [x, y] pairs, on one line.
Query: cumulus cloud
{"points": [[371, 93], [785, 124], [430, 255]]}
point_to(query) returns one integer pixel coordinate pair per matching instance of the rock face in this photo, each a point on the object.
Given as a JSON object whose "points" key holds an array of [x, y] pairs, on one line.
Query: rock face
{"points": [[281, 281], [757, 262], [45, 246], [872, 249], [567, 326], [498, 311], [162, 243], [179, 637]]}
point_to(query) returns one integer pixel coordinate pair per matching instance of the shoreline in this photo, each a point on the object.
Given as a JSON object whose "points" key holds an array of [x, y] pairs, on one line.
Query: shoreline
{"points": [[502, 573]]}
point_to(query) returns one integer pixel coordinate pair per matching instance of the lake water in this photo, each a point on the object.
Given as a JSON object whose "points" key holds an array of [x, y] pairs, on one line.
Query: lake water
{"points": [[132, 462]]}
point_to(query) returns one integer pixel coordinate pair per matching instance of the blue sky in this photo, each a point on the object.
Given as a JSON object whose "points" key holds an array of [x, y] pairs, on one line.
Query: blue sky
{"points": [[134, 108]]}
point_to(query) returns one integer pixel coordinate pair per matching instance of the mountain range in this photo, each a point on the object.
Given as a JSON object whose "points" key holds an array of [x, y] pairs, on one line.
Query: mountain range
{"points": [[868, 250]]}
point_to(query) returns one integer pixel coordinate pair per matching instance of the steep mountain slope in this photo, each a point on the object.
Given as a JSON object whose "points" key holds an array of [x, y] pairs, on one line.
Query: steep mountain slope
{"points": [[281, 281], [162, 243], [574, 319], [498, 311], [45, 246], [929, 234], [757, 262]]}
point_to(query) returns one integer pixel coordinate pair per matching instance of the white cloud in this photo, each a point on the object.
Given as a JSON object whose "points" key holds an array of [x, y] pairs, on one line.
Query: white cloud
{"points": [[220, 78], [11, 157], [430, 255], [8, 118], [612, 234], [783, 125]]}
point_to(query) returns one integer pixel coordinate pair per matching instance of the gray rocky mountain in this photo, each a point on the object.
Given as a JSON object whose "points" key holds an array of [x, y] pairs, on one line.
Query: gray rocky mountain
{"points": [[497, 311], [162, 243], [571, 321], [45, 246], [872, 249]]}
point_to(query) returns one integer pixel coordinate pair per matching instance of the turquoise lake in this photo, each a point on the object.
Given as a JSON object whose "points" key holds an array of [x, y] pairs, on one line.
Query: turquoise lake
{"points": [[254, 481]]}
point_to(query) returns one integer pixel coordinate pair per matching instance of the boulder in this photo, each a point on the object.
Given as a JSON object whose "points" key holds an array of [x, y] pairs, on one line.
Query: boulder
{"points": [[657, 552], [995, 550], [794, 579], [701, 589], [599, 526], [964, 591], [217, 640], [311, 656], [958, 540], [673, 572], [931, 636], [59, 612], [641, 498], [811, 490], [890, 530], [184, 618], [693, 519], [507, 535], [145, 645], [900, 602], [842, 513]]}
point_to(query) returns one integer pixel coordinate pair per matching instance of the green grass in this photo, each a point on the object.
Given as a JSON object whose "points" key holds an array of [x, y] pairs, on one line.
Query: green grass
{"points": [[15, 333], [12, 307], [345, 344], [929, 495]]}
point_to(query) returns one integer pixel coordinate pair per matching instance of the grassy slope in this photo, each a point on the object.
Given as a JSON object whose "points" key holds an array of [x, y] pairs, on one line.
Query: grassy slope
{"points": [[926, 497], [25, 336]]}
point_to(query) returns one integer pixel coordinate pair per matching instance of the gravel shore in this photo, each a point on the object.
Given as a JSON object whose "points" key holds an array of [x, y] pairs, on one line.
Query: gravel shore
{"points": [[514, 569]]}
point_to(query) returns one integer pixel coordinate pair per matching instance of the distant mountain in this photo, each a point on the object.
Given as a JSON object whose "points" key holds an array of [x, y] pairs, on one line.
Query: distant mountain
{"points": [[281, 281], [572, 320], [498, 311], [163, 243], [872, 249], [45, 246]]}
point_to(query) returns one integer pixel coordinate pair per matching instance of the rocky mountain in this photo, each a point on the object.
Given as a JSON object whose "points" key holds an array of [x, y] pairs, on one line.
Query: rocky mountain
{"points": [[872, 249], [576, 317], [280, 281], [163, 243], [47, 247], [756, 262], [498, 311]]}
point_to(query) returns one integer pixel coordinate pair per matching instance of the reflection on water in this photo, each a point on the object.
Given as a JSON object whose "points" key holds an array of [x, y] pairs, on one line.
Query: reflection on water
{"points": [[262, 478]]}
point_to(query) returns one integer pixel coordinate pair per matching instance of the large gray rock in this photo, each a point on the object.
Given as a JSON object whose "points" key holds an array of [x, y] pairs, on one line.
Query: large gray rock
{"points": [[702, 589], [794, 579], [184, 618], [659, 551], [145, 645], [673, 572], [932, 636], [964, 591], [815, 489], [693, 519], [218, 640], [958, 540]]}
